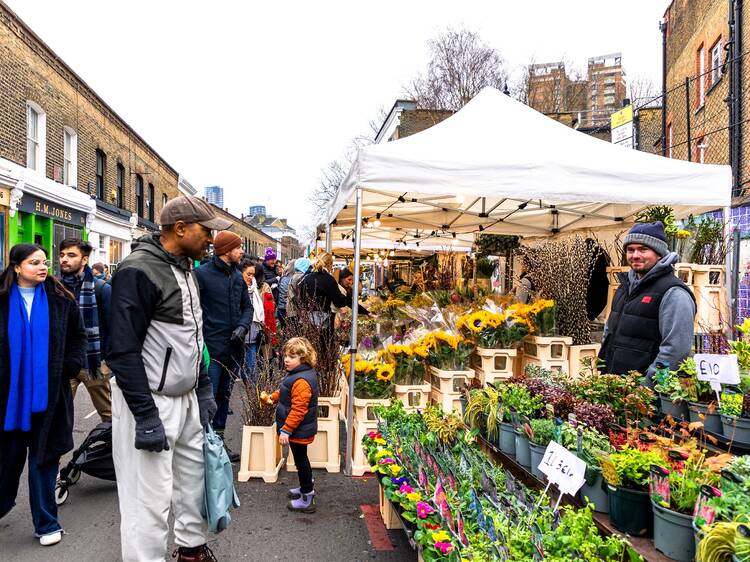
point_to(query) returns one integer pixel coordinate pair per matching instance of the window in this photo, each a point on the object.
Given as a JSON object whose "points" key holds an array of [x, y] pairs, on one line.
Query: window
{"points": [[36, 133], [139, 195], [164, 200], [669, 140], [716, 62], [101, 166], [120, 185], [151, 202], [701, 147], [115, 251], [70, 157], [701, 78]]}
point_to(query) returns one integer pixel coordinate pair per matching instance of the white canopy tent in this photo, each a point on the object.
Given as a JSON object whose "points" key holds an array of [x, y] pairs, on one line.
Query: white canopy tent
{"points": [[498, 166]]}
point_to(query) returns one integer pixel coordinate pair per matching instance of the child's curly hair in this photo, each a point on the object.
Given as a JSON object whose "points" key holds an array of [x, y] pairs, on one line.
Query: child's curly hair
{"points": [[302, 348]]}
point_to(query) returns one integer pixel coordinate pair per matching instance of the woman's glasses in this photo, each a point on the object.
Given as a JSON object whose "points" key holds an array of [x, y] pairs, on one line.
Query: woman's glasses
{"points": [[37, 263]]}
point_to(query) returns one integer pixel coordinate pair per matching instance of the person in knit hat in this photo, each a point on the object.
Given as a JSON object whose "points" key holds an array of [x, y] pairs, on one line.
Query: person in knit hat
{"points": [[227, 314], [651, 321], [269, 273]]}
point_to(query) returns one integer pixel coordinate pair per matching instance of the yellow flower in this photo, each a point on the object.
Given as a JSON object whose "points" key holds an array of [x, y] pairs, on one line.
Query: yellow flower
{"points": [[383, 453], [414, 496], [440, 536], [362, 366], [744, 327], [395, 469], [421, 350], [379, 441], [682, 234], [385, 371]]}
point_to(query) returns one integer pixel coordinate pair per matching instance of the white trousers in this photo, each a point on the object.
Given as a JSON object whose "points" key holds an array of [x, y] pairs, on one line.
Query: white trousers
{"points": [[148, 483]]}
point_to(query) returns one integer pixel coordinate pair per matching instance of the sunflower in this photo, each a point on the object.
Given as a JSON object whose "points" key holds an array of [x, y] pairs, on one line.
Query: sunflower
{"points": [[421, 350], [385, 371]]}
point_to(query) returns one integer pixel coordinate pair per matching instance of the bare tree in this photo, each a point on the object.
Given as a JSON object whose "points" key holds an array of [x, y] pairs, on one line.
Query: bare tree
{"points": [[643, 93], [461, 64], [554, 87]]}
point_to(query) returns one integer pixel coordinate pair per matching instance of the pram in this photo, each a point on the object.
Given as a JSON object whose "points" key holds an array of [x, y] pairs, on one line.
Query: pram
{"points": [[93, 456]]}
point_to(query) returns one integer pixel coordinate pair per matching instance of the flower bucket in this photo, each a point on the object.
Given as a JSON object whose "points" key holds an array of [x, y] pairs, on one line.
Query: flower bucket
{"points": [[413, 396], [324, 450], [630, 511], [537, 454], [673, 533], [261, 454], [678, 410], [508, 439], [736, 429], [447, 386], [596, 494], [711, 420], [523, 451]]}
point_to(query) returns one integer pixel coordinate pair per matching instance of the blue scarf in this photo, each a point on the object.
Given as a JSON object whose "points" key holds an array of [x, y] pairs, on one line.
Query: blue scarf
{"points": [[28, 341]]}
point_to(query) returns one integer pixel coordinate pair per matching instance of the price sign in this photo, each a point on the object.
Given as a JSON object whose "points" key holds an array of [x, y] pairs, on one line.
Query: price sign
{"points": [[717, 369], [563, 468]]}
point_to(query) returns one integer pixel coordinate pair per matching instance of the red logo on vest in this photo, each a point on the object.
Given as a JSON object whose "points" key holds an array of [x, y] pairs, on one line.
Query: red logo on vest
{"points": [[646, 300]]}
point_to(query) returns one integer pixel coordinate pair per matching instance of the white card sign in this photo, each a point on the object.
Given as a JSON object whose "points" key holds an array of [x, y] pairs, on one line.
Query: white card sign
{"points": [[717, 369], [563, 468]]}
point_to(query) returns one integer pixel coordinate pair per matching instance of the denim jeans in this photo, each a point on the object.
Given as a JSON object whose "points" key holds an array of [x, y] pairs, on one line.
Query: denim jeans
{"points": [[252, 353], [221, 383], [14, 446]]}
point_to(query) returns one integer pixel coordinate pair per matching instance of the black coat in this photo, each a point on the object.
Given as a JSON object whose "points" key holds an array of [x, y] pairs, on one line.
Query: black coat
{"points": [[52, 429], [226, 305]]}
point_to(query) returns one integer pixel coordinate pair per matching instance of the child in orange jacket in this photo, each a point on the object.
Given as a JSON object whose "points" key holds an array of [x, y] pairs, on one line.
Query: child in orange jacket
{"points": [[297, 416]]}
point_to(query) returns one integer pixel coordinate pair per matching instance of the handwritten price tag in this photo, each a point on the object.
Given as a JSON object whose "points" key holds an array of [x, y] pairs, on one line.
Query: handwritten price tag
{"points": [[717, 369], [563, 468]]}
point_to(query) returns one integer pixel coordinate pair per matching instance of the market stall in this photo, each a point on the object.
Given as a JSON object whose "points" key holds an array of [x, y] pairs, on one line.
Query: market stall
{"points": [[498, 166]]}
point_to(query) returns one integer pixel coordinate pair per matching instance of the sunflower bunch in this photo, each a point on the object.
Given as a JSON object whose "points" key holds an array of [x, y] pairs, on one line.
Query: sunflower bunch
{"points": [[494, 330], [446, 351], [539, 316], [408, 363], [373, 377]]}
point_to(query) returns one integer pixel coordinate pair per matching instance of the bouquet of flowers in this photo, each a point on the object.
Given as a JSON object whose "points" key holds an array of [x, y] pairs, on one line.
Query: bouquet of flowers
{"points": [[409, 364], [494, 330], [373, 378], [446, 351]]}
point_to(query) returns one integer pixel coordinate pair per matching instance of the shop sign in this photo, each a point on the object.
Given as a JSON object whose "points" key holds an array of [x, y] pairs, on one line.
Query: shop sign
{"points": [[4, 196], [59, 213], [622, 127]]}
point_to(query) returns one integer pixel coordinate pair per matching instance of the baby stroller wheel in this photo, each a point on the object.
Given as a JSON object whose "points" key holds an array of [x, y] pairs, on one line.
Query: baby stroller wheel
{"points": [[61, 493], [74, 476]]}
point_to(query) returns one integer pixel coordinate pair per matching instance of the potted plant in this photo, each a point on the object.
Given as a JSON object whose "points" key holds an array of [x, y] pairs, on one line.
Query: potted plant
{"points": [[523, 446], [627, 475], [448, 356], [735, 417], [673, 515], [589, 445], [672, 395], [700, 397], [483, 411], [261, 455], [541, 432], [515, 401]]}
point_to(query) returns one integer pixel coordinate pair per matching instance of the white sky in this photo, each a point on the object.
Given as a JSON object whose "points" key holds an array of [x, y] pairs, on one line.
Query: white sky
{"points": [[259, 96]]}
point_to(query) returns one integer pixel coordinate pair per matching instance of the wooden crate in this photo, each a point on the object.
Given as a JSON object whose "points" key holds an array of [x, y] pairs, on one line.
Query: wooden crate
{"points": [[323, 452], [413, 396], [388, 512], [712, 308], [261, 454], [579, 352]]}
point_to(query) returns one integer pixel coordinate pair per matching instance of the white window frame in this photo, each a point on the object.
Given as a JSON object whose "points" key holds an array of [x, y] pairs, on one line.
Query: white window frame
{"points": [[701, 77], [70, 157], [669, 140], [716, 62], [36, 154], [702, 146]]}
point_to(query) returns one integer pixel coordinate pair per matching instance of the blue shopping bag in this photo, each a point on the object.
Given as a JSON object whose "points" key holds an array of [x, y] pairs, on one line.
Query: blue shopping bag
{"points": [[220, 495]]}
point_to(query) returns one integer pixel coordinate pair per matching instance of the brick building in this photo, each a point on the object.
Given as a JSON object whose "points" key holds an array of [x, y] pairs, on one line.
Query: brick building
{"points": [[551, 90], [69, 165], [606, 88], [405, 119], [254, 241]]}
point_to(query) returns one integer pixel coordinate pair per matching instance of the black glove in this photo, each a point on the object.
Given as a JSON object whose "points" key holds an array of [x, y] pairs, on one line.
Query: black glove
{"points": [[206, 404], [150, 435], [238, 336]]}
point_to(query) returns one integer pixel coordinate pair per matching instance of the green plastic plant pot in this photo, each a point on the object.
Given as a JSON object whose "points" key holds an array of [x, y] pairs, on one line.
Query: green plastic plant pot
{"points": [[523, 451], [508, 439], [711, 420], [630, 511], [678, 410], [736, 429], [673, 534], [537, 454], [596, 494]]}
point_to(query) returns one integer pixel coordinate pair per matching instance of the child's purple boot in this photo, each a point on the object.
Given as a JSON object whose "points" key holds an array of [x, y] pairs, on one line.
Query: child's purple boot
{"points": [[304, 504]]}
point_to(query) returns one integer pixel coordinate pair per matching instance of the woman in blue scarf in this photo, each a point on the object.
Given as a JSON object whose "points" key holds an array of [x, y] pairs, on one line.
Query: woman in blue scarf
{"points": [[42, 346]]}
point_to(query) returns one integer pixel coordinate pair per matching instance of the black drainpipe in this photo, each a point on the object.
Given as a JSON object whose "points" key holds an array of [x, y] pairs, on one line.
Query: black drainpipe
{"points": [[663, 28], [736, 113]]}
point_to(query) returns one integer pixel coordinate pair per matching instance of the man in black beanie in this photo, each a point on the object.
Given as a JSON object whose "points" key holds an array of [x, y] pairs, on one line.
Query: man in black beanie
{"points": [[652, 311]]}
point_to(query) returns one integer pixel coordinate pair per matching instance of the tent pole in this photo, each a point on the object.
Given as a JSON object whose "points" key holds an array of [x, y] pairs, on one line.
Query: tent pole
{"points": [[329, 242], [353, 336]]}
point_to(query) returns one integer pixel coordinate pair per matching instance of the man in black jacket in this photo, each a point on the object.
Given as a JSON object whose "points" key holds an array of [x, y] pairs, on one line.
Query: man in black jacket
{"points": [[161, 393], [227, 313]]}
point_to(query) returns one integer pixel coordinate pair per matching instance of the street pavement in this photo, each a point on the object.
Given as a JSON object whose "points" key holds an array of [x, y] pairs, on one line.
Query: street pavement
{"points": [[262, 528]]}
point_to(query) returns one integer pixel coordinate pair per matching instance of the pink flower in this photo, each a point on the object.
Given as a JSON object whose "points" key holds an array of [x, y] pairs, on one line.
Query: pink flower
{"points": [[372, 434], [405, 489], [444, 547], [387, 460], [424, 510]]}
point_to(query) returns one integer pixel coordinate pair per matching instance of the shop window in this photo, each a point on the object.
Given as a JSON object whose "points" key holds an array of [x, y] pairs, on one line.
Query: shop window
{"points": [[716, 62], [115, 252], [119, 195], [70, 157], [151, 202], [101, 167], [36, 134], [139, 195]]}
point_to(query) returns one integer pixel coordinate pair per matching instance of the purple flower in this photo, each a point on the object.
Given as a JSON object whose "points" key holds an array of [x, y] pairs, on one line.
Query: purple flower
{"points": [[367, 343], [386, 460], [399, 481]]}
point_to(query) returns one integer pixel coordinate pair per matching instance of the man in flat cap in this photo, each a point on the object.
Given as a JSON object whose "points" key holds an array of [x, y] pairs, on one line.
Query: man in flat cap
{"points": [[161, 393]]}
